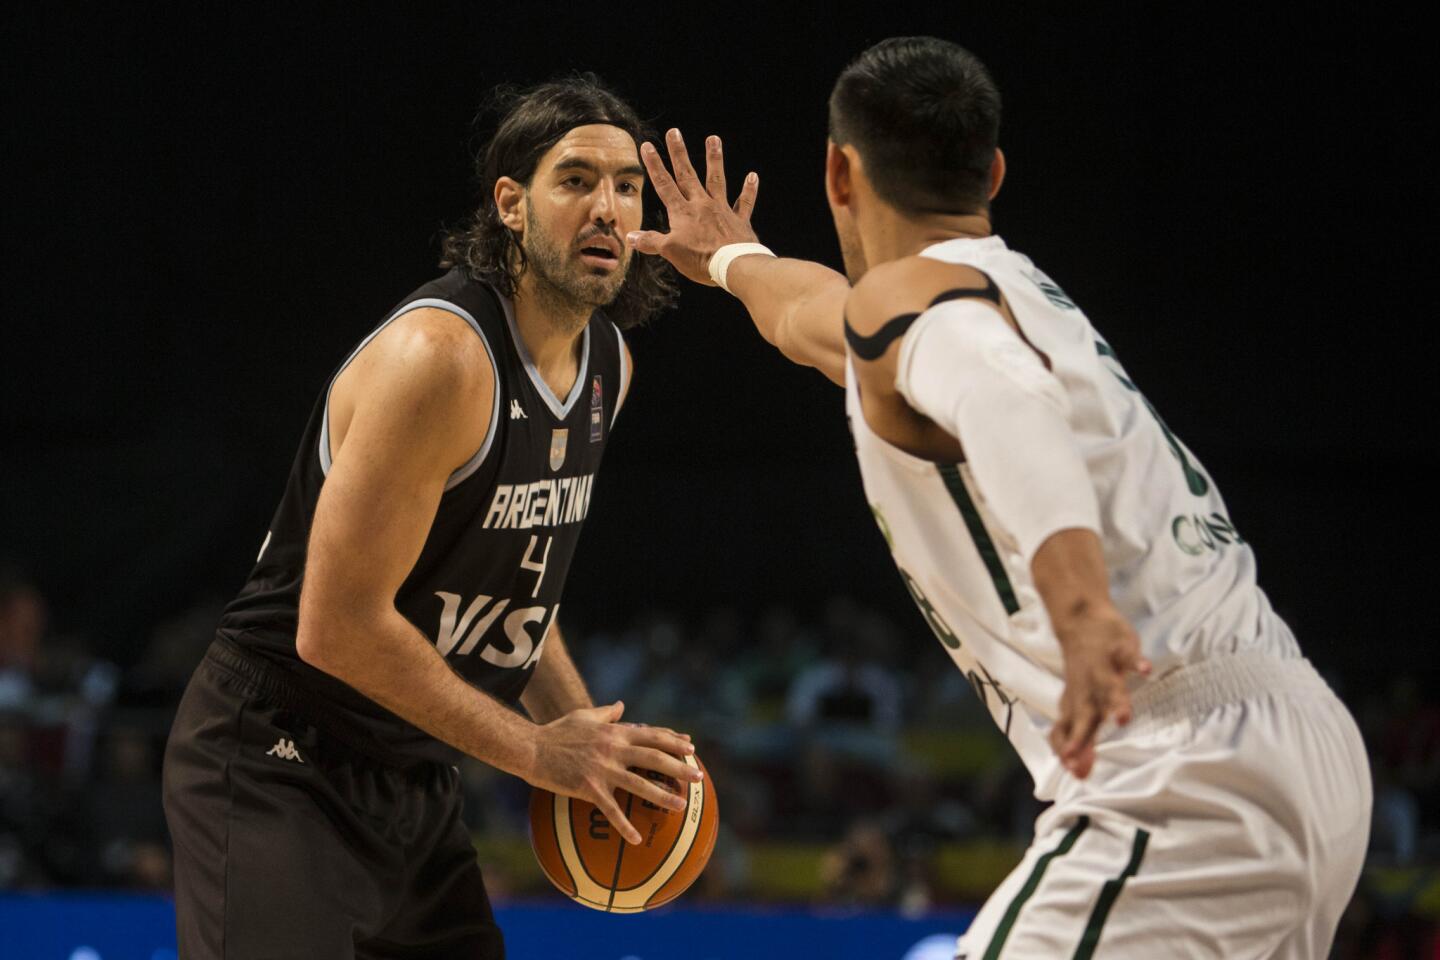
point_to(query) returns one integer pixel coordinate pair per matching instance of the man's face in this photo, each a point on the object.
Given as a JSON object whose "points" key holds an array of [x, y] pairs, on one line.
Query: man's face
{"points": [[584, 197]]}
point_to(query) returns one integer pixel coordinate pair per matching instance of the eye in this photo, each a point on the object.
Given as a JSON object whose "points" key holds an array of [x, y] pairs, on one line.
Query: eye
{"points": [[572, 181], [629, 187]]}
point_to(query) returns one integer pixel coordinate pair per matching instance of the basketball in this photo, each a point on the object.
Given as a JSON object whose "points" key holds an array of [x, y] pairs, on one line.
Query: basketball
{"points": [[591, 863]]}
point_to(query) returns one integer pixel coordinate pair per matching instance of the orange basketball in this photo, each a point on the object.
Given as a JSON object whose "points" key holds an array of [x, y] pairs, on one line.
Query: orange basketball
{"points": [[586, 857]]}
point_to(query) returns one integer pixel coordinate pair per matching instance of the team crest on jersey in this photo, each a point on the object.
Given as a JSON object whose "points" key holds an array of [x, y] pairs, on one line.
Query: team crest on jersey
{"points": [[559, 440], [597, 406]]}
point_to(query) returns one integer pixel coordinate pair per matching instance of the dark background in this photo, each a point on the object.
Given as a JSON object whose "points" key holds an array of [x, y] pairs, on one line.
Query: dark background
{"points": [[206, 208]]}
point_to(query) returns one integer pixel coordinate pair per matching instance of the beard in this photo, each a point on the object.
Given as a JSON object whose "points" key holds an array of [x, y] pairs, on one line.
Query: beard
{"points": [[562, 282], [852, 253]]}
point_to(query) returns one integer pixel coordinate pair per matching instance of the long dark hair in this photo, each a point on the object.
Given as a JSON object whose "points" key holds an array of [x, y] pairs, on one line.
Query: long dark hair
{"points": [[531, 121]]}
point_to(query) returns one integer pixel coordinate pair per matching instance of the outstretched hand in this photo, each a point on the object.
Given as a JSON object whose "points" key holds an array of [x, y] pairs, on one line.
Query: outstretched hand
{"points": [[701, 218]]}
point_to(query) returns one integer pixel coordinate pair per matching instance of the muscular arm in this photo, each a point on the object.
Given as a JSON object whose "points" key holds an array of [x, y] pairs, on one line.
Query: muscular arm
{"points": [[417, 400], [798, 306], [556, 688]]}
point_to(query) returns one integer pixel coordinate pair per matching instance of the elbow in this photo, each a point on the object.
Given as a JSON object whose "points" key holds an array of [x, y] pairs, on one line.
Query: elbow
{"points": [[321, 642], [314, 645]]}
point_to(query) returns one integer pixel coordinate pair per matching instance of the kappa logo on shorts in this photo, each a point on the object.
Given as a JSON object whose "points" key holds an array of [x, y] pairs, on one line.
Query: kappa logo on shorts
{"points": [[285, 750]]}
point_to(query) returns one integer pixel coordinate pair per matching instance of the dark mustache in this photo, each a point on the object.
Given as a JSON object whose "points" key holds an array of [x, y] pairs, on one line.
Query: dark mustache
{"points": [[602, 231]]}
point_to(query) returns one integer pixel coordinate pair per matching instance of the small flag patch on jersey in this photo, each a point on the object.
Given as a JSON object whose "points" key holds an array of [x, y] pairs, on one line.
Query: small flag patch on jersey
{"points": [[559, 439], [597, 407]]}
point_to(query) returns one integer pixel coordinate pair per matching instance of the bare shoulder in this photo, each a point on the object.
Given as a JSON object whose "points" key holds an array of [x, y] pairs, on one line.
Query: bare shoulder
{"points": [[905, 286], [428, 352]]}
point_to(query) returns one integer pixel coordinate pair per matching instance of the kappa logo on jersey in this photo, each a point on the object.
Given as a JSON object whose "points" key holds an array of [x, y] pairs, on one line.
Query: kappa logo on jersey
{"points": [[544, 503], [597, 408], [516, 411], [285, 750]]}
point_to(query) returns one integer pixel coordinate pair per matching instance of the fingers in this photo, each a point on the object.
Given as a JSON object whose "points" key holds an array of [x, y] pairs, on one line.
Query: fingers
{"points": [[645, 241], [605, 800], [660, 178], [647, 726], [1073, 736], [1083, 762], [648, 790], [714, 169], [660, 739], [745, 203], [613, 712], [685, 176], [663, 763]]}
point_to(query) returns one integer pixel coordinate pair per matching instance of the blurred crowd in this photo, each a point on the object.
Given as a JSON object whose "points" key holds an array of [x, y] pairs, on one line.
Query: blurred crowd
{"points": [[834, 730]]}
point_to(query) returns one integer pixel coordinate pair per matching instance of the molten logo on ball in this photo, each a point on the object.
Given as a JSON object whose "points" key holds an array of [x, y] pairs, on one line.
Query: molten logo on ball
{"points": [[586, 857]]}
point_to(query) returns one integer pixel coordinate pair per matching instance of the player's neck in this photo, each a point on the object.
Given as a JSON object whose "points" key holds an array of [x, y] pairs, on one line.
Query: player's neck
{"points": [[550, 328], [896, 236]]}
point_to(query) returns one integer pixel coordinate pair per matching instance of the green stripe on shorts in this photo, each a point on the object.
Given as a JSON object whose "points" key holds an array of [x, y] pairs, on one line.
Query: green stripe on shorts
{"points": [[1108, 894], [1002, 932]]}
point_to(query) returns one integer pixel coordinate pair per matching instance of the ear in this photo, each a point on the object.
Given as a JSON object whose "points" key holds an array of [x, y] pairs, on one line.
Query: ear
{"points": [[510, 203], [997, 172], [839, 186]]}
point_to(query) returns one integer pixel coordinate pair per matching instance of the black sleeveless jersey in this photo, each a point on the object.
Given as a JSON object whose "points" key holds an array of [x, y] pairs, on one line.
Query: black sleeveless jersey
{"points": [[487, 585]]}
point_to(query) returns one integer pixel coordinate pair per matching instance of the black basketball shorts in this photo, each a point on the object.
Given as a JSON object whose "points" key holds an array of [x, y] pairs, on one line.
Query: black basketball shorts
{"points": [[290, 843]]}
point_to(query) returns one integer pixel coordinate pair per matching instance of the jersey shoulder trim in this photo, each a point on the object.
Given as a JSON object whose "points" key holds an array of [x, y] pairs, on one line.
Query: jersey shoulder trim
{"points": [[624, 390], [873, 347], [468, 468], [561, 409]]}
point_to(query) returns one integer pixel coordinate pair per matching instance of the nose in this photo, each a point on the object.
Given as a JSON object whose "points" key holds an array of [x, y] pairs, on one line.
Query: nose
{"points": [[602, 203]]}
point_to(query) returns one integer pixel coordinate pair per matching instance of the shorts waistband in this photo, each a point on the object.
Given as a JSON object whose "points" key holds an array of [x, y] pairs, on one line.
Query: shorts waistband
{"points": [[264, 677], [1198, 688]]}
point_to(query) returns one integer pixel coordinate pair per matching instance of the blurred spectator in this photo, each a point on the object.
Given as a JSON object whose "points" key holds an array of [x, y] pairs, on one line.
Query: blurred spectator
{"points": [[22, 626], [780, 650], [1409, 743], [22, 805], [862, 869], [176, 645], [695, 687], [846, 689], [125, 813]]}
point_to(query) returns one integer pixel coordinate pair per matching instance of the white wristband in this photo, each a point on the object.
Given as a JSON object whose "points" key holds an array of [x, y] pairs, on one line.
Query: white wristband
{"points": [[720, 260]]}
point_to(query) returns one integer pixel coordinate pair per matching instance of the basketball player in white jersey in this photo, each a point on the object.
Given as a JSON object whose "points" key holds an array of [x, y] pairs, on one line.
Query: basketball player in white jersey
{"points": [[1211, 794]]}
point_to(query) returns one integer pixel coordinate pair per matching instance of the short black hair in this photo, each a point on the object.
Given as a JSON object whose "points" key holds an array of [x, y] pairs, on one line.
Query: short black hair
{"points": [[530, 122], [924, 115]]}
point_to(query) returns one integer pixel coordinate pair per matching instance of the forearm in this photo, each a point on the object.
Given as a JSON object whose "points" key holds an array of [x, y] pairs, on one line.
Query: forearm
{"points": [[1071, 578], [557, 687], [384, 657], [798, 306]]}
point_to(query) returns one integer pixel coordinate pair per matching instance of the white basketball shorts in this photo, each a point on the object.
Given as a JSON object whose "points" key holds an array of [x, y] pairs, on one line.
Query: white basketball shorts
{"points": [[1229, 821]]}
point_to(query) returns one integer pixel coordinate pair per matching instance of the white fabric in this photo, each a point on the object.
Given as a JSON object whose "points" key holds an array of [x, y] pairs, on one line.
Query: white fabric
{"points": [[1252, 787], [721, 259], [964, 367], [1189, 592]]}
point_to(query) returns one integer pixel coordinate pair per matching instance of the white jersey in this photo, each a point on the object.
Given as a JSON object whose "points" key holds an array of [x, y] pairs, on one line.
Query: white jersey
{"points": [[1179, 571]]}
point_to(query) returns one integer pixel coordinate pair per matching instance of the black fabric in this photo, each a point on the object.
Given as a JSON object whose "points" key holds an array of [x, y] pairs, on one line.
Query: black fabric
{"points": [[874, 346], [476, 588], [290, 844]]}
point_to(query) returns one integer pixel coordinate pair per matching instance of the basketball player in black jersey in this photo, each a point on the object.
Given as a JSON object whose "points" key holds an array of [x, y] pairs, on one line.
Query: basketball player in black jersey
{"points": [[410, 580]]}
